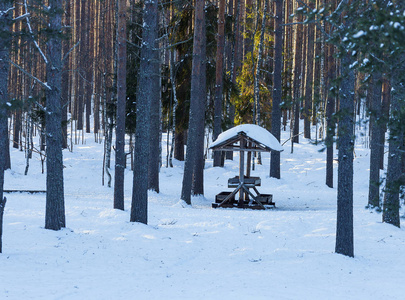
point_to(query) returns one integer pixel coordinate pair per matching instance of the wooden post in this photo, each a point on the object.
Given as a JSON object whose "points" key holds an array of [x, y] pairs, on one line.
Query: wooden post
{"points": [[241, 170], [2, 205], [248, 162], [248, 167]]}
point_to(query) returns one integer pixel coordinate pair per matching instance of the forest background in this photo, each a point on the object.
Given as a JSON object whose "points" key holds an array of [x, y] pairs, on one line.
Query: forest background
{"points": [[143, 68]]}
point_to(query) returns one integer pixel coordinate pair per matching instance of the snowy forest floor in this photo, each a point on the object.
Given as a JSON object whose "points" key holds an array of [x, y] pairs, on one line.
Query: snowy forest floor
{"points": [[196, 252]]}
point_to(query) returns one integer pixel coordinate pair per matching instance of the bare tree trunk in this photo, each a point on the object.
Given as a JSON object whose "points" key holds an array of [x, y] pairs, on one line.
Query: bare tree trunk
{"points": [[154, 145], [5, 44], [395, 175], [121, 103], [385, 110], [179, 144], [277, 88], [174, 106], [330, 122], [309, 82], [65, 94], [195, 141], [219, 80], [297, 83], [55, 204], [147, 78], [344, 226], [375, 150], [256, 94]]}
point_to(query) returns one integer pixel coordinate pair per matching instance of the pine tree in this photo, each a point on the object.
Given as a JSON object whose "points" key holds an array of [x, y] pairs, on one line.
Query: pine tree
{"points": [[219, 81], [120, 156], [195, 143], [147, 79], [55, 203], [277, 88], [5, 43]]}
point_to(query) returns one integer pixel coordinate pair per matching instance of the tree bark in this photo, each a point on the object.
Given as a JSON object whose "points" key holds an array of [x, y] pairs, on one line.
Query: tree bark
{"points": [[194, 164], [179, 143], [297, 83], [395, 175], [309, 82], [120, 156], [154, 160], [330, 122], [65, 96], [5, 43], [375, 150], [55, 204], [139, 208], [219, 81], [344, 226], [277, 89], [256, 94]]}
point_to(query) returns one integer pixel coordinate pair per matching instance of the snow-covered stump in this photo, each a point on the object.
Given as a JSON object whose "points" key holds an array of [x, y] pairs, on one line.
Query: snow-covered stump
{"points": [[2, 205]]}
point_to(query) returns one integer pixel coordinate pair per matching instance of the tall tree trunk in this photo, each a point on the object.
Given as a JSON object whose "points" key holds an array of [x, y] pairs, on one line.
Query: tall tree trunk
{"points": [[55, 204], [297, 83], [219, 80], [174, 107], [309, 82], [248, 28], [5, 44], [344, 226], [155, 144], [179, 143], [385, 110], [258, 67], [330, 122], [194, 164], [147, 76], [121, 103], [395, 175], [375, 150], [88, 84], [65, 93], [277, 88]]}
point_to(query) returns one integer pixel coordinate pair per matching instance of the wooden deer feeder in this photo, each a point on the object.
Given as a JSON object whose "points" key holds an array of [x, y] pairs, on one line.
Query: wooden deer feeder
{"points": [[245, 138]]}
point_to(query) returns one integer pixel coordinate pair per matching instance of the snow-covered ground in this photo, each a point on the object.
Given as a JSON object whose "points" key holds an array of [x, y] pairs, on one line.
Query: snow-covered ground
{"points": [[196, 252]]}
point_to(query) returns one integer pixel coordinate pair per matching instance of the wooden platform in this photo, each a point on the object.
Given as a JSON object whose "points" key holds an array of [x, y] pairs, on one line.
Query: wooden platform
{"points": [[265, 199], [248, 181]]}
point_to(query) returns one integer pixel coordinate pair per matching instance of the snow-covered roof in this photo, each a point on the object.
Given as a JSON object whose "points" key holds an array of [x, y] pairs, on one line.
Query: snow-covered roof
{"points": [[254, 132]]}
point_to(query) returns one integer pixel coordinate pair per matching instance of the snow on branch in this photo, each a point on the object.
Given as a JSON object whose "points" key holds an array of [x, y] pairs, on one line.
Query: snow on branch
{"points": [[4, 12], [44, 84], [31, 32], [71, 49], [26, 15]]}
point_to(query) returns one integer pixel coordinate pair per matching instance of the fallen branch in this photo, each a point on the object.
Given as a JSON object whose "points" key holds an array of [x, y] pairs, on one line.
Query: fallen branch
{"points": [[24, 191]]}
